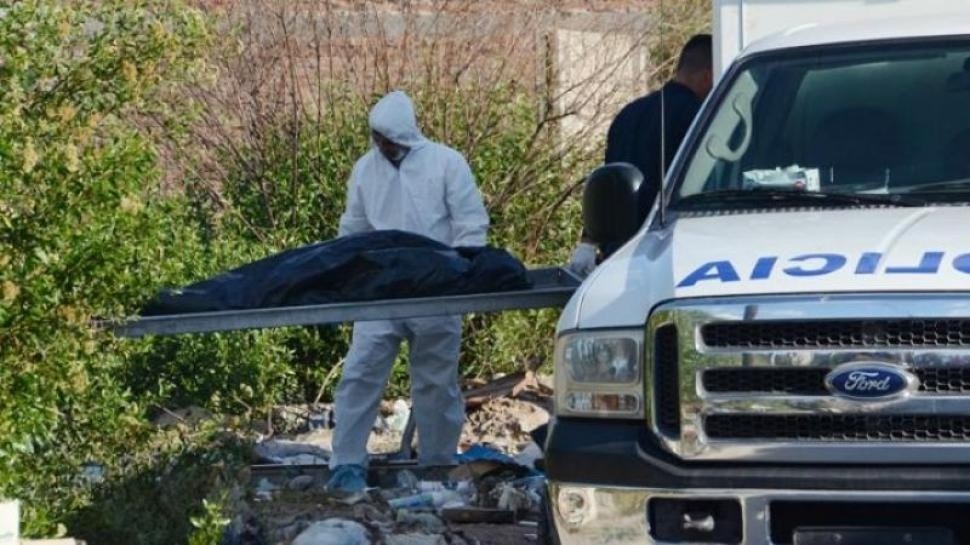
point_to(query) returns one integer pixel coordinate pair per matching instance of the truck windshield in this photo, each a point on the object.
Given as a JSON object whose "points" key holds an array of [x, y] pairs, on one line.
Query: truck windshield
{"points": [[837, 126]]}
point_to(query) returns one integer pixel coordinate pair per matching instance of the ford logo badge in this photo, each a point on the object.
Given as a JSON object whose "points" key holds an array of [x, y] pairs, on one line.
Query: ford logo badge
{"points": [[870, 381]]}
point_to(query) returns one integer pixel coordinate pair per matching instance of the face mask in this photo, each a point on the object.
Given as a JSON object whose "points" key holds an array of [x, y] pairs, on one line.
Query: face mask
{"points": [[398, 155], [393, 152]]}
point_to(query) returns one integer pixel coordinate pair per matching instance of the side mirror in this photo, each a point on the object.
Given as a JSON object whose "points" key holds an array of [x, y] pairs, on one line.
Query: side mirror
{"points": [[611, 213]]}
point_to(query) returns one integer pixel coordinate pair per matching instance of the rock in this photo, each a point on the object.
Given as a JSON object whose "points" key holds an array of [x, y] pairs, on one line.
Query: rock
{"points": [[300, 482], [414, 539], [333, 532], [426, 522]]}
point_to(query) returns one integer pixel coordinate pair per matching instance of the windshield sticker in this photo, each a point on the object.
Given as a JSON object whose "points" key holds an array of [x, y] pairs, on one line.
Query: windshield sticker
{"points": [[811, 265]]}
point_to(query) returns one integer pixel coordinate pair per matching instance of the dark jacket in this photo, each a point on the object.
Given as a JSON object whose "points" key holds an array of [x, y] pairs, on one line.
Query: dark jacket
{"points": [[634, 136]]}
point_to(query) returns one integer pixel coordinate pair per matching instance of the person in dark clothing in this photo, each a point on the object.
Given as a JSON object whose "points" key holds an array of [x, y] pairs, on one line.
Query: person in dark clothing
{"points": [[641, 136]]}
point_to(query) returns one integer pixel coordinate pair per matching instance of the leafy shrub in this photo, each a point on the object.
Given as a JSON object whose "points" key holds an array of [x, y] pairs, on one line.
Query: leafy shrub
{"points": [[83, 232]]}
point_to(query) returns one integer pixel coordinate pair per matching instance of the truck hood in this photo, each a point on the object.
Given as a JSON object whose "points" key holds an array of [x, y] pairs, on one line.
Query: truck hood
{"points": [[783, 252]]}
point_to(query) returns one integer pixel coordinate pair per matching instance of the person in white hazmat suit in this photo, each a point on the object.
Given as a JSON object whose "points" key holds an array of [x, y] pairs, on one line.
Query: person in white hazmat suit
{"points": [[409, 183]]}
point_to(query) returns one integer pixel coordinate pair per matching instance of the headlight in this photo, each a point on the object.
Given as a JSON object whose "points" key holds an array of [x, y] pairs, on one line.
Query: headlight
{"points": [[599, 373]]}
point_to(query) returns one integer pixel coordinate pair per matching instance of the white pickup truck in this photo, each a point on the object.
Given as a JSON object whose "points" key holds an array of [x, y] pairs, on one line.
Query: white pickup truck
{"points": [[781, 352]]}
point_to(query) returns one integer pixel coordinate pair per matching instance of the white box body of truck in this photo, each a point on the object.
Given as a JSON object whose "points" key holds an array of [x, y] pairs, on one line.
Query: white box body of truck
{"points": [[739, 23], [764, 363]]}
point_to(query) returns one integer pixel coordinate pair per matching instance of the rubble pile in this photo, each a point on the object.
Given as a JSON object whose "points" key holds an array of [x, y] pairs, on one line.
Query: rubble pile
{"points": [[493, 495]]}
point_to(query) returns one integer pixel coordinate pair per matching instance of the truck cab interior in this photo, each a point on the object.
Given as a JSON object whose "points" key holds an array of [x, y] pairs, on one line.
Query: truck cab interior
{"points": [[836, 115]]}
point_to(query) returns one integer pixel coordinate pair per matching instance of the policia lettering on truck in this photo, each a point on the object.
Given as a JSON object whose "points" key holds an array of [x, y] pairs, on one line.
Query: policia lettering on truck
{"points": [[820, 265]]}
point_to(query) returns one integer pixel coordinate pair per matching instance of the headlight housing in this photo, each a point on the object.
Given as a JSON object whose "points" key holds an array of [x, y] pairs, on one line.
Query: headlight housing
{"points": [[600, 374]]}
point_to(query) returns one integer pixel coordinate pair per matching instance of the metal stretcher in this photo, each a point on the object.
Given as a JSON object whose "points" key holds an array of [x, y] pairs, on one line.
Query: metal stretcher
{"points": [[551, 287]]}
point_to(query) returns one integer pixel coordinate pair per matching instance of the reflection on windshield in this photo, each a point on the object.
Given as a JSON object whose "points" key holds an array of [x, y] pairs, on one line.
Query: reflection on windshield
{"points": [[876, 121]]}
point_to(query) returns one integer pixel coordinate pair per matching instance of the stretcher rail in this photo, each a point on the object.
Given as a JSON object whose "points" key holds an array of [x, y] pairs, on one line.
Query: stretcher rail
{"points": [[551, 287]]}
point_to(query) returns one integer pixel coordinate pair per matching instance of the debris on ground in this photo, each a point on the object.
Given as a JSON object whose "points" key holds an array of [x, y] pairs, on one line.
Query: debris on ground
{"points": [[281, 451], [333, 532], [478, 514], [492, 496], [415, 539], [300, 482], [426, 522], [398, 419]]}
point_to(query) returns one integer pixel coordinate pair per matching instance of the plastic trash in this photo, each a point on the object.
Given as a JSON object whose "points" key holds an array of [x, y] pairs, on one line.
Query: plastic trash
{"points": [[280, 451], [321, 420], [304, 460], [407, 480], [478, 454], [512, 498], [399, 420], [264, 489], [463, 488], [425, 500], [10, 522], [529, 455], [427, 522], [92, 473], [333, 532]]}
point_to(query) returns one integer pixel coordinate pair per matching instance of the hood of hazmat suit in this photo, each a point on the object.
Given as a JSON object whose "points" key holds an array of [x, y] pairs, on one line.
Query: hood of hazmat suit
{"points": [[393, 116], [431, 192]]}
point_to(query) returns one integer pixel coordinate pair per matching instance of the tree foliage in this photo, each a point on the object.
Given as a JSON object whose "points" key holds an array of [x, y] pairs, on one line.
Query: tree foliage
{"points": [[82, 231]]}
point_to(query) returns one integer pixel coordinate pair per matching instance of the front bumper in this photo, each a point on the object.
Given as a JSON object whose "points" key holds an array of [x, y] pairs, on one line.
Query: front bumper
{"points": [[616, 468], [767, 517]]}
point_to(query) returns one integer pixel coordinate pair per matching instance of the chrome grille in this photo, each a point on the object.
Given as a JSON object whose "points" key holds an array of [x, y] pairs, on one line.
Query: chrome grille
{"points": [[810, 381], [751, 372], [793, 381], [944, 380], [838, 334], [839, 427], [667, 379]]}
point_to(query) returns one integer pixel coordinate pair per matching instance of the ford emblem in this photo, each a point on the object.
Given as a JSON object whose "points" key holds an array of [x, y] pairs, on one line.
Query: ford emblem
{"points": [[870, 381]]}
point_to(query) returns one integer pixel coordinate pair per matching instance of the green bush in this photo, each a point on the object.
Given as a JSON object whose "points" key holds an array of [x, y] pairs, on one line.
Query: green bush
{"points": [[83, 232], [173, 493]]}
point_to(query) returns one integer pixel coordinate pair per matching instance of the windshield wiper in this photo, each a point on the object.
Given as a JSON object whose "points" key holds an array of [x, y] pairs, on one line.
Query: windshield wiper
{"points": [[761, 197]]}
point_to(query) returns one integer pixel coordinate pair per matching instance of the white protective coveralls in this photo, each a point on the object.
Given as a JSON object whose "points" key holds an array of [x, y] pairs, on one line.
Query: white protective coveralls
{"points": [[432, 193]]}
